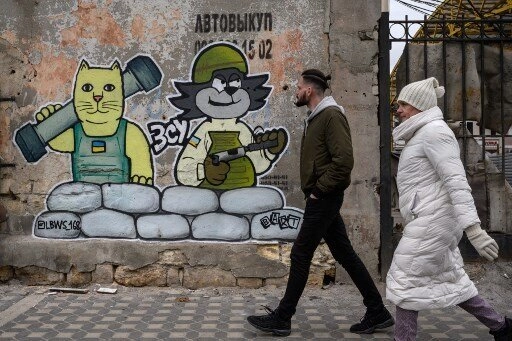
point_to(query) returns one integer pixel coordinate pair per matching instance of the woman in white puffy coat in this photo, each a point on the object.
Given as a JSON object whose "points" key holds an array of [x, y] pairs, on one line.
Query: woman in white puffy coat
{"points": [[436, 203]]}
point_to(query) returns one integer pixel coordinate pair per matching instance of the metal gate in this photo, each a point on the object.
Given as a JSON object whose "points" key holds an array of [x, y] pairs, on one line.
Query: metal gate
{"points": [[472, 58]]}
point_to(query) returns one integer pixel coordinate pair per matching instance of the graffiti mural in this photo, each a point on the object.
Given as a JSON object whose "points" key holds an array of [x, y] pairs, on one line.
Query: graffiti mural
{"points": [[219, 164], [223, 151], [113, 192]]}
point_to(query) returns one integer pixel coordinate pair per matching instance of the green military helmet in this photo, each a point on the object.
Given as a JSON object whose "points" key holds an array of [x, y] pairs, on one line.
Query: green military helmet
{"points": [[217, 57]]}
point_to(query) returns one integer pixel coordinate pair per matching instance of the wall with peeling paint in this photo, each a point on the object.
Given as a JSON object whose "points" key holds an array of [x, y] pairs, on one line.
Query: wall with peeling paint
{"points": [[42, 45]]}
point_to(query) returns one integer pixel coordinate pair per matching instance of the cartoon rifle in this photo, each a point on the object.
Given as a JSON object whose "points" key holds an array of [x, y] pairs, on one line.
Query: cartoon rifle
{"points": [[141, 73], [236, 153]]}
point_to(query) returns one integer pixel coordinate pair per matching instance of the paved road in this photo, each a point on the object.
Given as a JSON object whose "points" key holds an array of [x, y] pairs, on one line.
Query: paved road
{"points": [[32, 313]]}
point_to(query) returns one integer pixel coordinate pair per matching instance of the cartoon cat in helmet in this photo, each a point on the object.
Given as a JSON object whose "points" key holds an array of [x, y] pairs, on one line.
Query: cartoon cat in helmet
{"points": [[224, 152]]}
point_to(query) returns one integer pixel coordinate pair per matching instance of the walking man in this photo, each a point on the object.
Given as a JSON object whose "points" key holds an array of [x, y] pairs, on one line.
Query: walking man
{"points": [[325, 166]]}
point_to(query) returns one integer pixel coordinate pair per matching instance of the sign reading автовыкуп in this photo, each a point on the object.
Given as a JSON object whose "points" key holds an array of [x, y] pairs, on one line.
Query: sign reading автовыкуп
{"points": [[240, 22]]}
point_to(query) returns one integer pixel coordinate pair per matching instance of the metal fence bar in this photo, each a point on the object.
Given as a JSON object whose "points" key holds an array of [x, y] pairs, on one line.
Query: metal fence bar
{"points": [[464, 99], [425, 62], [502, 111], [386, 220], [445, 97], [482, 124], [421, 40], [406, 50], [482, 91]]}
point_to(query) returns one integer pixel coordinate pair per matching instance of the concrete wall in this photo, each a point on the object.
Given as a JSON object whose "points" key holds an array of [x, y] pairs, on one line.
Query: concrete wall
{"points": [[163, 213]]}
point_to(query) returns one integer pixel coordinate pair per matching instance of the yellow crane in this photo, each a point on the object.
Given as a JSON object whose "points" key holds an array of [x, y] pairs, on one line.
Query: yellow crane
{"points": [[468, 9]]}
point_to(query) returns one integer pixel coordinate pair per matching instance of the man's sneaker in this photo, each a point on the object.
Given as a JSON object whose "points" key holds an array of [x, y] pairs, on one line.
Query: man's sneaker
{"points": [[505, 333], [370, 322], [271, 323]]}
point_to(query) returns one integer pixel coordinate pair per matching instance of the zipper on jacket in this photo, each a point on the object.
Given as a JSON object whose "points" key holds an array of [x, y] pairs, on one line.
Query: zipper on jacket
{"points": [[413, 206]]}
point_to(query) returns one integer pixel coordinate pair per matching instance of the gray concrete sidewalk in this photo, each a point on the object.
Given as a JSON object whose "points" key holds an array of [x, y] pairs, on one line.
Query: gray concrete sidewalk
{"points": [[219, 313]]}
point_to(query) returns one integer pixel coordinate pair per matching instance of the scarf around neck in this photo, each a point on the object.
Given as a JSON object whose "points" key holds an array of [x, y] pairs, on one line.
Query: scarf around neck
{"points": [[406, 129]]}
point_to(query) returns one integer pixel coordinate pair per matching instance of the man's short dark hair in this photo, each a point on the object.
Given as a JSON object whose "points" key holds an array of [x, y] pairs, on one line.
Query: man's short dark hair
{"points": [[316, 77]]}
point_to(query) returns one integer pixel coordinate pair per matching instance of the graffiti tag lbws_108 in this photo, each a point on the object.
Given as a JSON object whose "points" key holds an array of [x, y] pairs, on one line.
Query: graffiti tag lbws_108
{"points": [[59, 225]]}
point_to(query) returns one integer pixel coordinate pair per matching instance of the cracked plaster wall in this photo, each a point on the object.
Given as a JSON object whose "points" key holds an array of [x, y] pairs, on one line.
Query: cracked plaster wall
{"points": [[42, 43]]}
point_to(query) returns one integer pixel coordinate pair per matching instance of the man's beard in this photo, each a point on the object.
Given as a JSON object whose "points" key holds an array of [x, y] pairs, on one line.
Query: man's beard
{"points": [[301, 101]]}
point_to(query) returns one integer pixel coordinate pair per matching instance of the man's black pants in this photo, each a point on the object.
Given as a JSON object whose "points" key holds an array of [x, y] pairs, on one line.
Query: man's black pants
{"points": [[322, 219]]}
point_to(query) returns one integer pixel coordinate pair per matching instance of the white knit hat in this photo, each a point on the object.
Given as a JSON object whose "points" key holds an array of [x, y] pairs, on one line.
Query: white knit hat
{"points": [[423, 94]]}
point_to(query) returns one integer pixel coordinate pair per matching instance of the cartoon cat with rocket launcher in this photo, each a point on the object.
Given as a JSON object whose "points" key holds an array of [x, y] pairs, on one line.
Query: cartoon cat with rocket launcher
{"points": [[104, 146]]}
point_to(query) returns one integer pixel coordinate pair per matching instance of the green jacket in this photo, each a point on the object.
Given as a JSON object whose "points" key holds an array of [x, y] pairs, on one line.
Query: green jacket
{"points": [[326, 151]]}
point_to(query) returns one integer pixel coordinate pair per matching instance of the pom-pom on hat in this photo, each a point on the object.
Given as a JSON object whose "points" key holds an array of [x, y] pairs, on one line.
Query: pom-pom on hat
{"points": [[423, 94]]}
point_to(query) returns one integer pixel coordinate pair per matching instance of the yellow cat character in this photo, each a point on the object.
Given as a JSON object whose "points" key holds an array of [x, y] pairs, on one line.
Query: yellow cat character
{"points": [[104, 146]]}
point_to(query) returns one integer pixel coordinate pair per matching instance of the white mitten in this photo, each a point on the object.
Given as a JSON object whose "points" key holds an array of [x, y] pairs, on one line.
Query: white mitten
{"points": [[484, 245]]}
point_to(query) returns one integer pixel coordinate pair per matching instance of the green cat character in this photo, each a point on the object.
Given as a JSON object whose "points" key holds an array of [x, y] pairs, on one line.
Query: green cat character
{"points": [[104, 146]]}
